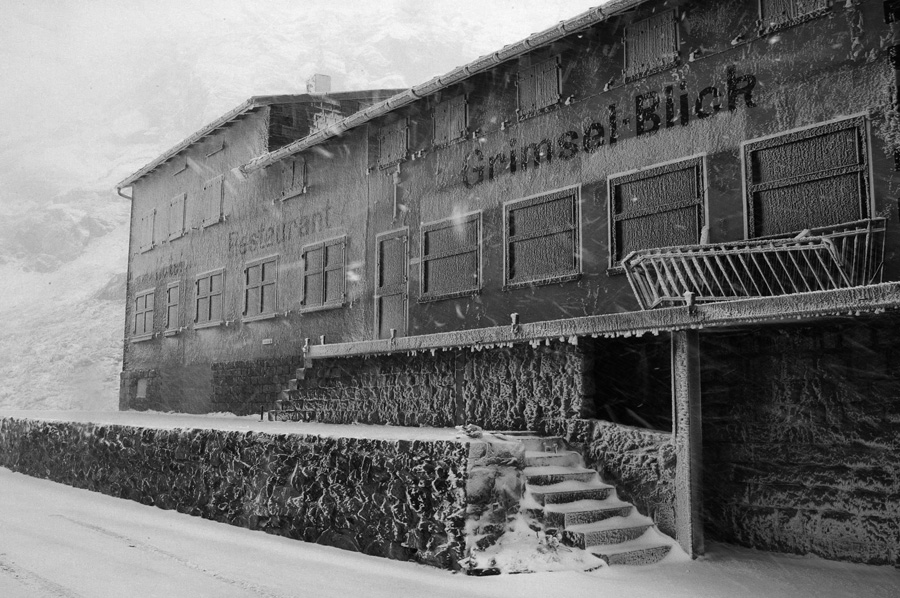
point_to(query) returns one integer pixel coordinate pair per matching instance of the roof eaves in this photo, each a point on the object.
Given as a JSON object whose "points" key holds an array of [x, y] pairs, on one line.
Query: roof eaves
{"points": [[586, 19], [246, 106]]}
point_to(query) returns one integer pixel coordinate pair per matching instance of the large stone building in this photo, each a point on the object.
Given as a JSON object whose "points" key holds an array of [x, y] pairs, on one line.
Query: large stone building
{"points": [[488, 247]]}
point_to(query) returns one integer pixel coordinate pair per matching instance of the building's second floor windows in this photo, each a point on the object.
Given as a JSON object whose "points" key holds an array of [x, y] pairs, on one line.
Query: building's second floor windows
{"points": [[541, 237], [778, 12], [450, 120], [260, 278], [146, 228], [538, 87], [173, 298], [209, 299], [393, 143], [293, 177], [324, 273], [142, 325], [451, 258], [812, 177], [212, 201], [177, 207], [651, 45], [658, 206]]}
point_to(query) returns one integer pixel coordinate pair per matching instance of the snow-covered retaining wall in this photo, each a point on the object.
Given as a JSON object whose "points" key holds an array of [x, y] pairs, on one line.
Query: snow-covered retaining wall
{"points": [[401, 499], [800, 439]]}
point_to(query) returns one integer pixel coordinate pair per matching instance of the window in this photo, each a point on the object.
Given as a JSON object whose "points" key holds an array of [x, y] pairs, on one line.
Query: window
{"points": [[450, 120], [208, 306], [451, 258], [651, 45], [145, 230], [812, 177], [212, 201], [323, 274], [538, 87], [173, 296], [392, 143], [774, 13], [142, 328], [260, 277], [660, 206], [541, 239], [176, 216], [141, 390], [293, 178]]}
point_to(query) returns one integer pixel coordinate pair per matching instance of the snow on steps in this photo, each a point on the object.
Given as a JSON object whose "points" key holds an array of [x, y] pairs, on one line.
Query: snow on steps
{"points": [[563, 494]]}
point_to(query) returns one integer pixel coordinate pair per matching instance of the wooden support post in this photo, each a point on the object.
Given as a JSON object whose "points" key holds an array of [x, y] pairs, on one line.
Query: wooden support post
{"points": [[688, 440]]}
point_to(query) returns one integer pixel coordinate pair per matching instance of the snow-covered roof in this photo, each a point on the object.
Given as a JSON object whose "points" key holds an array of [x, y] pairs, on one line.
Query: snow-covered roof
{"points": [[590, 17], [245, 107]]}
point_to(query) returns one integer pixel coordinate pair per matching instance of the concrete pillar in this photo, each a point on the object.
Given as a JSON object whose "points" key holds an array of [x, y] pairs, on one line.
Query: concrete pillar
{"points": [[686, 427]]}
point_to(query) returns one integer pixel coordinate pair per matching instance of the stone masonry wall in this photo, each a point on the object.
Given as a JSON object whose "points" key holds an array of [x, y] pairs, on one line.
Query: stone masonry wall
{"points": [[800, 435], [398, 499], [516, 388], [639, 463]]}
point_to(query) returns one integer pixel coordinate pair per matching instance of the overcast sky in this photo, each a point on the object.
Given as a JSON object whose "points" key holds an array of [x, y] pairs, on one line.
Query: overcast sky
{"points": [[93, 89]]}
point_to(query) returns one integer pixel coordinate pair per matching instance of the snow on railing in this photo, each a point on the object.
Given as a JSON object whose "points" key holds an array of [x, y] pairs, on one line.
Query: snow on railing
{"points": [[826, 258]]}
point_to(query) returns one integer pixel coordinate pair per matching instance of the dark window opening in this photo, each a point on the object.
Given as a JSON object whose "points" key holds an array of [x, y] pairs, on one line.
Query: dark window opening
{"points": [[631, 381]]}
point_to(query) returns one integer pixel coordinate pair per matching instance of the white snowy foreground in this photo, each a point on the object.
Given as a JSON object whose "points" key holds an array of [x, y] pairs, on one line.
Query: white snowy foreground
{"points": [[61, 542]]}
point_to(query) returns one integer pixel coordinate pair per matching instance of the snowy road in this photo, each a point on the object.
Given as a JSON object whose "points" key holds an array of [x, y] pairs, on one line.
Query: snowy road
{"points": [[60, 542]]}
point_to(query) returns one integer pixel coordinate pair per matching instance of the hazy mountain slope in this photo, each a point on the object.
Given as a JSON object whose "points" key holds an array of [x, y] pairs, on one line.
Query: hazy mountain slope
{"points": [[95, 90]]}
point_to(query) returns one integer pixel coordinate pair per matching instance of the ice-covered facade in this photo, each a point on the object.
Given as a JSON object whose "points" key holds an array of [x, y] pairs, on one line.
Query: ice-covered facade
{"points": [[665, 230]]}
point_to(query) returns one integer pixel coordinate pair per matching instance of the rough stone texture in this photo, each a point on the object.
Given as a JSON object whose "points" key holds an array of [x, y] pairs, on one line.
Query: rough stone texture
{"points": [[243, 387], [639, 463], [516, 388], [397, 499], [523, 387], [800, 434], [494, 489]]}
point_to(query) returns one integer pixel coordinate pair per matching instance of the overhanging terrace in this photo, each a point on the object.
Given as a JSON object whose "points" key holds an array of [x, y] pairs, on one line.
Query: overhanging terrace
{"points": [[818, 305]]}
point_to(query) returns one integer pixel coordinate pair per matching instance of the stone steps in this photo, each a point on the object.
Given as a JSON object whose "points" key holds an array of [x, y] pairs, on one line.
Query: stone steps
{"points": [[545, 475], [565, 495], [545, 458], [582, 511], [570, 491]]}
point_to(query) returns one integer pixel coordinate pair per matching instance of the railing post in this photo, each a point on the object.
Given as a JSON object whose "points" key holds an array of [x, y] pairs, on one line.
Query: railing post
{"points": [[686, 428]]}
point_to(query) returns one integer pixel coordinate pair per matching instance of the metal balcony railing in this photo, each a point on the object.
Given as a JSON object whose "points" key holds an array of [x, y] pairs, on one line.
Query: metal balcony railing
{"points": [[832, 257]]}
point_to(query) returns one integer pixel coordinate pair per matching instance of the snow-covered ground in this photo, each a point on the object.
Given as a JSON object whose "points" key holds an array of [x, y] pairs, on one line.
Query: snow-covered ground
{"points": [[61, 542]]}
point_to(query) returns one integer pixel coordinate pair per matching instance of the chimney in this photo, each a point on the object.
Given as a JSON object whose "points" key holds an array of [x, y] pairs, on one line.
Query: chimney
{"points": [[318, 84]]}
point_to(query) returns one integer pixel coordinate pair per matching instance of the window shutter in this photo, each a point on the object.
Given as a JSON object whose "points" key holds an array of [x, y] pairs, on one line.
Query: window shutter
{"points": [[451, 258], [541, 236], [450, 120], [176, 216], [656, 207], [651, 45], [538, 86], [213, 196]]}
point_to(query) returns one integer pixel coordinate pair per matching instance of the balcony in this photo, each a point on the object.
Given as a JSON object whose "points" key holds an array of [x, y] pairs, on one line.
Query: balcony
{"points": [[827, 258]]}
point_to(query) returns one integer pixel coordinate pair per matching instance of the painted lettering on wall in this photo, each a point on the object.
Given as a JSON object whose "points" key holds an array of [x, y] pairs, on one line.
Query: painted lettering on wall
{"points": [[651, 112], [173, 270], [272, 235]]}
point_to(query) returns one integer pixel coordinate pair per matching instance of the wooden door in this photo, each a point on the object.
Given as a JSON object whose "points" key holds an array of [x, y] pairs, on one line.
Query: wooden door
{"points": [[391, 284]]}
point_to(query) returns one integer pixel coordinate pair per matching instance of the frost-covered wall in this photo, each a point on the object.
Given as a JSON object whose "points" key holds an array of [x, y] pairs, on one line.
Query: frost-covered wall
{"points": [[800, 439], [516, 388], [397, 499]]}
